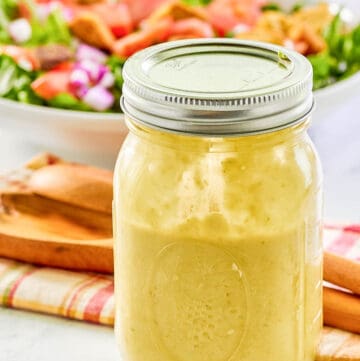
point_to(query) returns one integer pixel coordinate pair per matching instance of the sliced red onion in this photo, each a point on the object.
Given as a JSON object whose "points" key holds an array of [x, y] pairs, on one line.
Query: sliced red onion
{"points": [[99, 98], [79, 77], [87, 52], [103, 70], [94, 70], [20, 30], [107, 80], [81, 91]]}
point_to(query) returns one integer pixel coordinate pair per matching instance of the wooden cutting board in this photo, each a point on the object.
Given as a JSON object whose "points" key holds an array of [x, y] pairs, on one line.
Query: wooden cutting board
{"points": [[58, 214], [39, 230]]}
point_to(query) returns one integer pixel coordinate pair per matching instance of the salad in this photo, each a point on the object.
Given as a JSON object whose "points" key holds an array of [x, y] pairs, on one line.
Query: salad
{"points": [[69, 53]]}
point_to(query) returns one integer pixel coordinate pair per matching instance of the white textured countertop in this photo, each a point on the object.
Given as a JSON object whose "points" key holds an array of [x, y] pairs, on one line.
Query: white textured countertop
{"points": [[31, 337], [26, 336]]}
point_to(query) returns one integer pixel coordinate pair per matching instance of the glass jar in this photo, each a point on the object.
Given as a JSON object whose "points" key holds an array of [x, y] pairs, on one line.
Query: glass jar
{"points": [[217, 206]]}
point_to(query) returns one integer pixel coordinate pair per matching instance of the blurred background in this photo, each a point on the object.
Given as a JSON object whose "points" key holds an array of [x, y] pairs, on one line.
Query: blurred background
{"points": [[60, 83]]}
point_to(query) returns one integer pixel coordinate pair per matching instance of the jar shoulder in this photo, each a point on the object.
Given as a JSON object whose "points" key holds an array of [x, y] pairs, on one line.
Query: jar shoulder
{"points": [[264, 184]]}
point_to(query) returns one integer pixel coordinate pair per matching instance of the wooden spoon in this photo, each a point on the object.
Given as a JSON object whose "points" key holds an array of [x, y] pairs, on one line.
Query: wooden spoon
{"points": [[63, 219], [75, 184], [43, 231]]}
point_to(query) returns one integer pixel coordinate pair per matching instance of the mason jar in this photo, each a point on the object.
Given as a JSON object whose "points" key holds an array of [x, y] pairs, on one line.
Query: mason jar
{"points": [[217, 206]]}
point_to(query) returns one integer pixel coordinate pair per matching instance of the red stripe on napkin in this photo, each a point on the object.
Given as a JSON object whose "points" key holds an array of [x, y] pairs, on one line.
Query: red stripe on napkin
{"points": [[86, 284], [96, 304], [10, 297]]}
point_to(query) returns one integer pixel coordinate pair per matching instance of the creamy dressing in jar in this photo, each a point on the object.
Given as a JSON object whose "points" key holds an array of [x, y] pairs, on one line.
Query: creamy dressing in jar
{"points": [[217, 206]]}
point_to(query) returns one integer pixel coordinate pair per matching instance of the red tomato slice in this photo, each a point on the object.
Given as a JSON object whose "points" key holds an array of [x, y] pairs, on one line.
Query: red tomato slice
{"points": [[116, 16], [161, 31], [134, 42], [130, 44], [141, 9], [193, 27], [223, 20], [119, 30], [224, 15], [65, 66], [51, 84]]}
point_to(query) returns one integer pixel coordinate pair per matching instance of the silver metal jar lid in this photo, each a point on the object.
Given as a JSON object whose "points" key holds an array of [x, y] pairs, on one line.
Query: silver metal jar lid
{"points": [[217, 87]]}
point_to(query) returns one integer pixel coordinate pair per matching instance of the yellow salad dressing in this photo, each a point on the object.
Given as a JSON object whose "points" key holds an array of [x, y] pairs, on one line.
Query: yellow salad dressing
{"points": [[217, 246]]}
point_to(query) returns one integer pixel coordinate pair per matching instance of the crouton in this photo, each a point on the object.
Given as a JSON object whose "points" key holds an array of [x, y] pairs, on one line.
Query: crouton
{"points": [[318, 17], [51, 55], [177, 10], [91, 29]]}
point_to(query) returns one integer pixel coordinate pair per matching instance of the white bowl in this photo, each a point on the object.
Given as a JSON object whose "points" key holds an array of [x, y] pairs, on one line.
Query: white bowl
{"points": [[328, 99], [83, 136], [96, 138]]}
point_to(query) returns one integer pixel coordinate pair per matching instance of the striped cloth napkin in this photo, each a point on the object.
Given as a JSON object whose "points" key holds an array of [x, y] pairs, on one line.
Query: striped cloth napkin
{"points": [[90, 297], [81, 296]]}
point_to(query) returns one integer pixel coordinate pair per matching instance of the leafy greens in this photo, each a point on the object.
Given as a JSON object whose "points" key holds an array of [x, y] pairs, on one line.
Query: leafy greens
{"points": [[197, 2], [15, 82], [115, 65], [342, 57], [52, 30]]}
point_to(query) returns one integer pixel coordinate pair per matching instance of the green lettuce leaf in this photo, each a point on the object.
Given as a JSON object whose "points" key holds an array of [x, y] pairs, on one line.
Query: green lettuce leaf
{"points": [[68, 101], [53, 30], [15, 82], [197, 2], [115, 65], [342, 57]]}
